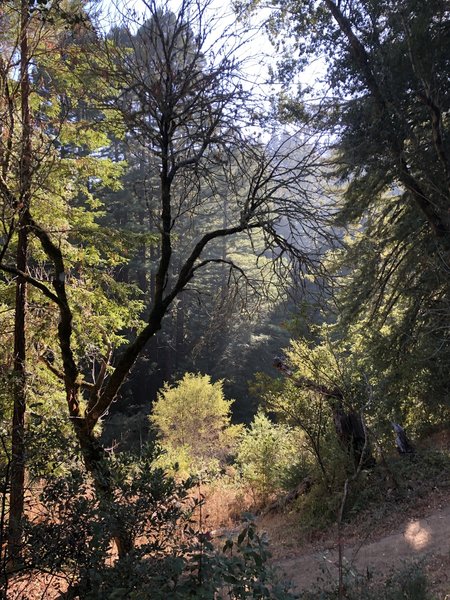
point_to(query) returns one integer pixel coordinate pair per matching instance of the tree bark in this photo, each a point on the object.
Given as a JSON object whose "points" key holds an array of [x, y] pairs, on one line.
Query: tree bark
{"points": [[17, 490], [16, 498], [180, 331], [95, 461]]}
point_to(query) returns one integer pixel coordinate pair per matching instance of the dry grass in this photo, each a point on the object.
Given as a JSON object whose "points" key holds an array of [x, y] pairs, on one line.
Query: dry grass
{"points": [[36, 585], [223, 505]]}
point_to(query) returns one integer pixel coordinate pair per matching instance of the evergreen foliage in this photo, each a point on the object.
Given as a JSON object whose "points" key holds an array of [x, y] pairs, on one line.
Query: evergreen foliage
{"points": [[265, 456], [387, 106], [193, 419], [155, 215]]}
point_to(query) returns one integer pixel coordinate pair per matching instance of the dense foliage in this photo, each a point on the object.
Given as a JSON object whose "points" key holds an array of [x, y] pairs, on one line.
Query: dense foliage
{"points": [[193, 420], [387, 105], [265, 456]]}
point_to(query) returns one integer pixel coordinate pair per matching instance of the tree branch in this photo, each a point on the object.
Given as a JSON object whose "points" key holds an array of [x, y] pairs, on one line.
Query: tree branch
{"points": [[34, 282], [434, 218], [71, 371], [308, 384]]}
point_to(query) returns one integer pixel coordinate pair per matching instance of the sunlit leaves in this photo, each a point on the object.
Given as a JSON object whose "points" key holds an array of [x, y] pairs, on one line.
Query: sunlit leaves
{"points": [[194, 417]]}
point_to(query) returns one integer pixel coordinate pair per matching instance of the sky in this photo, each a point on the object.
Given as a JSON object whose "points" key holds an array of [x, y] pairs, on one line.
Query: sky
{"points": [[222, 21], [254, 49]]}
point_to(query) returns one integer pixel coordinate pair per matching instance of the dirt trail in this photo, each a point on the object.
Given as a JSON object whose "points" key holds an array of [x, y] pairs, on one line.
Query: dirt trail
{"points": [[409, 529], [426, 539]]}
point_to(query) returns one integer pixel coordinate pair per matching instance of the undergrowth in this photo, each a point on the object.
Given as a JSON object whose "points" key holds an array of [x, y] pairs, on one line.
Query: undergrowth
{"points": [[398, 482], [410, 583]]}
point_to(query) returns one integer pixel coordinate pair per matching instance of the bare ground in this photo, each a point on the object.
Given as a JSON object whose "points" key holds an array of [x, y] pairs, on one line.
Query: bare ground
{"points": [[373, 544], [373, 547]]}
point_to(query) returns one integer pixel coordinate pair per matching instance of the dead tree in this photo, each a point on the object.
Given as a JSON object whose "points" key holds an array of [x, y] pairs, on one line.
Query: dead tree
{"points": [[402, 442], [349, 424], [187, 109]]}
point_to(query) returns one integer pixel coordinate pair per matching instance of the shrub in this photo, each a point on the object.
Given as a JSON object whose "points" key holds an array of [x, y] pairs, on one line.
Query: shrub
{"points": [[409, 583], [194, 418], [265, 455], [170, 557]]}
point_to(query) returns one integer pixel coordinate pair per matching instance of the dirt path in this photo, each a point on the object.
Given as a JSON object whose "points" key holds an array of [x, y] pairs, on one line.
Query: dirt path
{"points": [[410, 538], [411, 528], [426, 539]]}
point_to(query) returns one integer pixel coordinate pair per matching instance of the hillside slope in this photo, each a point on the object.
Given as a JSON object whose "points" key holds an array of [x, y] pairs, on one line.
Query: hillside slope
{"points": [[425, 540], [387, 537]]}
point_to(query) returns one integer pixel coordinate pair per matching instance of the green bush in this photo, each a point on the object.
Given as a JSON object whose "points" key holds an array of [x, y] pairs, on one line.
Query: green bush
{"points": [[170, 557], [318, 509], [265, 455], [194, 418]]}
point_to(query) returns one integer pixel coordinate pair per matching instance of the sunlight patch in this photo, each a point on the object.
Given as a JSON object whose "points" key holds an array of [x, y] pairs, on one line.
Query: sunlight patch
{"points": [[417, 536]]}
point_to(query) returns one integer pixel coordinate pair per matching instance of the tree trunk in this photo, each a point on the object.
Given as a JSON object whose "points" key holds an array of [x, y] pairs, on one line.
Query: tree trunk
{"points": [[96, 463], [352, 435], [16, 499], [20, 384], [179, 332], [349, 425], [438, 219]]}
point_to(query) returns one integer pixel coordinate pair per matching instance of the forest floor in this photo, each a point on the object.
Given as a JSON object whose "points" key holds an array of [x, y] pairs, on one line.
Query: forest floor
{"points": [[375, 543], [421, 535], [411, 528]]}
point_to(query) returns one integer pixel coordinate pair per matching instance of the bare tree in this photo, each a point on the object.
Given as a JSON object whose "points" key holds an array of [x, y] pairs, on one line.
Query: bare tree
{"points": [[186, 105]]}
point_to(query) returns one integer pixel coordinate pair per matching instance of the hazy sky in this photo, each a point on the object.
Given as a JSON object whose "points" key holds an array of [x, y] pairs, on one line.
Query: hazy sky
{"points": [[253, 48]]}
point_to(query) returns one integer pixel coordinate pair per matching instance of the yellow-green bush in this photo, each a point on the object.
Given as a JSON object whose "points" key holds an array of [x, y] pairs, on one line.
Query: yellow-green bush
{"points": [[266, 454], [193, 420]]}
